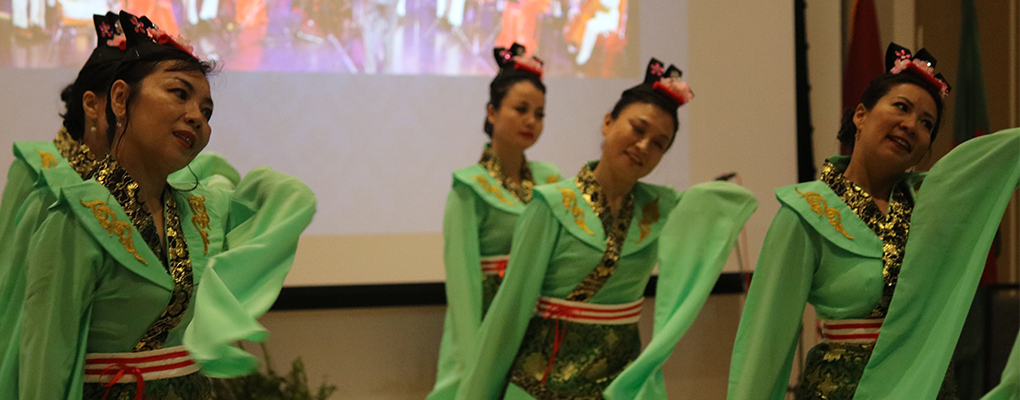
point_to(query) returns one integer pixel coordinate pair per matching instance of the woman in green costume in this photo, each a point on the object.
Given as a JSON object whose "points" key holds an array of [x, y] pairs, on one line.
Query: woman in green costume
{"points": [[483, 207], [838, 243], [958, 212], [564, 322], [41, 168], [134, 283]]}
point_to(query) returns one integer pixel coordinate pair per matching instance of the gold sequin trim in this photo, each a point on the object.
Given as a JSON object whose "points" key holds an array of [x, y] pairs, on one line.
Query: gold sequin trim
{"points": [[200, 219], [820, 206], [47, 159], [125, 190], [649, 216], [522, 190], [77, 154], [892, 228], [492, 189], [570, 203], [108, 220], [179, 267], [615, 226]]}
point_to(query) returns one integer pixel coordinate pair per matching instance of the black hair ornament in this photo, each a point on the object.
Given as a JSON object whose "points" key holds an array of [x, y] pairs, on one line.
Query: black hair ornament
{"points": [[898, 59], [144, 37], [666, 81], [517, 58]]}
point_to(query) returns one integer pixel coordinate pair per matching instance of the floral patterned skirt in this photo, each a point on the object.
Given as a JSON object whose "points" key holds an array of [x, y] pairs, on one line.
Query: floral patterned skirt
{"points": [[587, 359], [189, 387], [832, 371]]}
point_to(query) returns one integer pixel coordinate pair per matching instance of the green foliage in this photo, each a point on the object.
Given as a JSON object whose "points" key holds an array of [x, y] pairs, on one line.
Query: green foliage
{"points": [[269, 385]]}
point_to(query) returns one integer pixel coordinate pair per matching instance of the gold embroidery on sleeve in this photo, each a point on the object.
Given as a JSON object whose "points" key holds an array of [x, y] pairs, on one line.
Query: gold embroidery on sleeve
{"points": [[200, 219], [108, 220], [492, 189], [570, 203], [819, 206], [48, 160], [552, 178], [649, 216]]}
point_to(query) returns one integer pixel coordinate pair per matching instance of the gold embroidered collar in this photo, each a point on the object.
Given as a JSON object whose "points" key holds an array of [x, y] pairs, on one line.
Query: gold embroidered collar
{"points": [[125, 190], [521, 190], [76, 153], [616, 227], [892, 227]]}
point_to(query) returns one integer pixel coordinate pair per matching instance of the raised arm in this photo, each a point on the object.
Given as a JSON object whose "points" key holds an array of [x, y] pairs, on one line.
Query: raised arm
{"points": [[693, 248], [268, 212]]}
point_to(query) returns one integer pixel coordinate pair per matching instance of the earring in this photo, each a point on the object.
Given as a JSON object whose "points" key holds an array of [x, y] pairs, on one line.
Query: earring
{"points": [[92, 129]]}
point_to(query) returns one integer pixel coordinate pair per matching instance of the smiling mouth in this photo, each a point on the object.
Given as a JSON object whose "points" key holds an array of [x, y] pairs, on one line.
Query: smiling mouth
{"points": [[635, 159], [187, 137], [903, 143]]}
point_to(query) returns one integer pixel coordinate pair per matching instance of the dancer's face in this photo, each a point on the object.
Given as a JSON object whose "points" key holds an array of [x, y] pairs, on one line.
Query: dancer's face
{"points": [[896, 132], [518, 122], [636, 140], [168, 117]]}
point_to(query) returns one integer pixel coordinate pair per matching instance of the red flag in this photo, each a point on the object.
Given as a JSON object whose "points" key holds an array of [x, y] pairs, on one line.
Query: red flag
{"points": [[864, 61]]}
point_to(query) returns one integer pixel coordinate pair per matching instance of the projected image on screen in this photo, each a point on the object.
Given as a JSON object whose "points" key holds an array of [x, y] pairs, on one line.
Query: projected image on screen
{"points": [[440, 37]]}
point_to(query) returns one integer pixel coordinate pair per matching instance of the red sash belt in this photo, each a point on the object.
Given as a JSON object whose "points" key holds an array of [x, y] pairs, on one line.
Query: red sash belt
{"points": [[851, 330], [113, 368], [495, 265], [586, 313]]}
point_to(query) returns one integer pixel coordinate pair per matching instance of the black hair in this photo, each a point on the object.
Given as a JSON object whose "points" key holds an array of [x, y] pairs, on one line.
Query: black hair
{"points": [[877, 89], [133, 70], [645, 94], [94, 77], [501, 86]]}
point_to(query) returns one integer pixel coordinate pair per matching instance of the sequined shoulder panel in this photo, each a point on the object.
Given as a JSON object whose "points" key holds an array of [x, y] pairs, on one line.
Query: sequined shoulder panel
{"points": [[77, 154], [615, 226], [893, 227], [522, 190]]}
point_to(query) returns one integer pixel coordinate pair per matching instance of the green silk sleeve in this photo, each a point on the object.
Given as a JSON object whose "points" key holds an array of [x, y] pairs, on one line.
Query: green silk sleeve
{"points": [[503, 328], [767, 337], [268, 212], [1009, 386], [60, 280], [461, 257], [207, 166], [19, 198], [959, 208], [693, 248], [21, 181]]}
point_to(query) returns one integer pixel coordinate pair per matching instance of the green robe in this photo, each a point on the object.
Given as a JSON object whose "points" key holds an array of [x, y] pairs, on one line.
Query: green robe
{"points": [[817, 250], [98, 295], [557, 244], [35, 177], [479, 222], [960, 208]]}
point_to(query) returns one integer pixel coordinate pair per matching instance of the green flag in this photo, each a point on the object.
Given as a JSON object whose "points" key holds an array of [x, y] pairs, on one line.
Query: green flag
{"points": [[971, 117]]}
